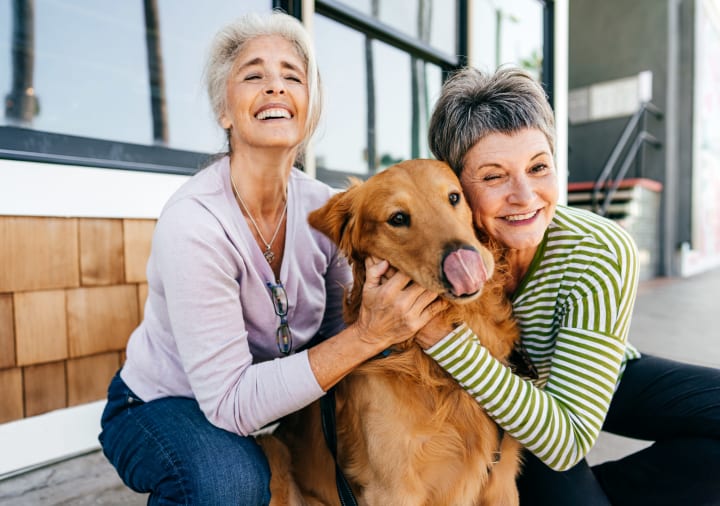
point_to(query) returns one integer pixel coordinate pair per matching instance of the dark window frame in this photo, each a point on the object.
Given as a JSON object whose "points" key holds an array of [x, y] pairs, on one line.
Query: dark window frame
{"points": [[25, 144], [374, 29], [548, 65], [17, 143], [377, 30]]}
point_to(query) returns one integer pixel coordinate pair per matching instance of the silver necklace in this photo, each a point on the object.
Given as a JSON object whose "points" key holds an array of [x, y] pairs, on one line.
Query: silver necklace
{"points": [[268, 253]]}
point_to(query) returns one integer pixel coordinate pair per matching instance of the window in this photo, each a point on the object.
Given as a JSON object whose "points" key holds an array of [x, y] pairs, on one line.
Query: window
{"points": [[431, 21], [119, 84], [340, 141], [509, 32], [401, 95], [381, 81]]}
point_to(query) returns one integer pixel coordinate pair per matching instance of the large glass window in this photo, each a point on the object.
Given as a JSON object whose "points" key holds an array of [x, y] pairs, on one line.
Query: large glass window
{"points": [[378, 99], [120, 84], [431, 21], [91, 80], [127, 72], [341, 140], [374, 84], [508, 31], [406, 90]]}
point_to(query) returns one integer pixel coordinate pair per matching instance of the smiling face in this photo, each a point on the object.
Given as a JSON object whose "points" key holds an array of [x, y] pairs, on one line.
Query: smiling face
{"points": [[267, 95], [510, 182]]}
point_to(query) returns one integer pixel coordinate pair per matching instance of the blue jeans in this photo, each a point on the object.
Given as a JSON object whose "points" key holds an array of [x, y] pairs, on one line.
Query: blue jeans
{"points": [[167, 448], [677, 406]]}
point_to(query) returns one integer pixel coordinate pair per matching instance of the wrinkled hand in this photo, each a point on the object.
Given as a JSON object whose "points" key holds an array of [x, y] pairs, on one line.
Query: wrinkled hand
{"points": [[393, 308]]}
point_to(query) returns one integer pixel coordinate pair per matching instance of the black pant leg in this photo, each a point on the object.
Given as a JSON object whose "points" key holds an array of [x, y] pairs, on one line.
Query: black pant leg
{"points": [[677, 406], [539, 485]]}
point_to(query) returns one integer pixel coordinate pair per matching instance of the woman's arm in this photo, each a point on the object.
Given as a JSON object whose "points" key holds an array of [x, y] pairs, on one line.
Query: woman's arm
{"points": [[391, 312], [196, 267], [559, 423], [560, 419]]}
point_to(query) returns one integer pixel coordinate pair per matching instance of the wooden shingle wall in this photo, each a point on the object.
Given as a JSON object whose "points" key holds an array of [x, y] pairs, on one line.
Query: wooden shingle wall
{"points": [[71, 292]]}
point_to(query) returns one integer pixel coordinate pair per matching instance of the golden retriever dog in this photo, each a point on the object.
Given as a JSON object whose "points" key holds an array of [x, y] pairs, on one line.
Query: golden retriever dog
{"points": [[407, 433]]}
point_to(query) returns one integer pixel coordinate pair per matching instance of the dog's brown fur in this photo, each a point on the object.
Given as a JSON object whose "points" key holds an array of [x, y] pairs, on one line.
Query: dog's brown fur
{"points": [[408, 434]]}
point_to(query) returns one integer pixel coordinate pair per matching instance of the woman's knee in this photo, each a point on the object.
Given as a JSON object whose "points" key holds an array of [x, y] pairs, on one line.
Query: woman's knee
{"points": [[169, 449], [240, 475]]}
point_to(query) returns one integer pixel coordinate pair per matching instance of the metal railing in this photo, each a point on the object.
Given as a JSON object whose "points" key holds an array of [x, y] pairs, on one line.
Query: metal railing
{"points": [[624, 156]]}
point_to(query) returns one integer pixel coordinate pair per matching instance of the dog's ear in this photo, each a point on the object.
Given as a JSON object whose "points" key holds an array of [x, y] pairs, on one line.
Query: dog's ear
{"points": [[331, 218], [335, 218]]}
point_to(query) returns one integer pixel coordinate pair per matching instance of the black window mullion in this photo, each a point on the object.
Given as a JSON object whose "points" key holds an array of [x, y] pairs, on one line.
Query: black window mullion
{"points": [[548, 63], [292, 7], [378, 30], [462, 33]]}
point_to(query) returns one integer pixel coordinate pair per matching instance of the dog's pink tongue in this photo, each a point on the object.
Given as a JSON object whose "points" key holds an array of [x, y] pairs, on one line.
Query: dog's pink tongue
{"points": [[465, 271]]}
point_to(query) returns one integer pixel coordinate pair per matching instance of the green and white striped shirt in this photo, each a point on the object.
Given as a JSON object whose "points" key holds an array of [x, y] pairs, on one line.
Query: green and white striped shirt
{"points": [[573, 307]]}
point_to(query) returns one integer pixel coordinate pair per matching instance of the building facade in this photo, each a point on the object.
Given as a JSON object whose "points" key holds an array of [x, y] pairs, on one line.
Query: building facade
{"points": [[666, 52], [105, 115]]}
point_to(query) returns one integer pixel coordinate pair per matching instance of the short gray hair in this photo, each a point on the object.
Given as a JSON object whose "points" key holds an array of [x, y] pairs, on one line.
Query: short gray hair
{"points": [[230, 40], [473, 104]]}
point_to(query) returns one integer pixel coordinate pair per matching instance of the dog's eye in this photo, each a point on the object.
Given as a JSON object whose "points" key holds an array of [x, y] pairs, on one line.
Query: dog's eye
{"points": [[454, 198], [399, 219]]}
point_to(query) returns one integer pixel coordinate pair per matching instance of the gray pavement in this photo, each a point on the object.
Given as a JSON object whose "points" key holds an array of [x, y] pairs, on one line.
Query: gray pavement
{"points": [[678, 318], [674, 318]]}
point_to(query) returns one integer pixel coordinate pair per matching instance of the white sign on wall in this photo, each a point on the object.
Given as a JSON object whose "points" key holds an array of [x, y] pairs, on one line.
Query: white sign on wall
{"points": [[610, 99]]}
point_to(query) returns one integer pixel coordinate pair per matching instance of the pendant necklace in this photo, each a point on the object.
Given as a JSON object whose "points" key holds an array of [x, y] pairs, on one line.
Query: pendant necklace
{"points": [[268, 253]]}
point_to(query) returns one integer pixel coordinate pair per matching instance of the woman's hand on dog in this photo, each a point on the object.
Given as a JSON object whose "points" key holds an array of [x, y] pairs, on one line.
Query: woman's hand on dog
{"points": [[435, 330], [393, 308]]}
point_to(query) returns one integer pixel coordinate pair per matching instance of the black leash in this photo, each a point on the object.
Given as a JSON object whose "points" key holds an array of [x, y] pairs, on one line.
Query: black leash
{"points": [[327, 415]]}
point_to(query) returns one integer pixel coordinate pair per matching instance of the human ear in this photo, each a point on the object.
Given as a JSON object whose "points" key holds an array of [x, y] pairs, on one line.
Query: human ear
{"points": [[225, 122]]}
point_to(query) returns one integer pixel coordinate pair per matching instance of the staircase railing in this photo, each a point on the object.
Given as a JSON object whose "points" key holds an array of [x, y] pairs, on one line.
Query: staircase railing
{"points": [[607, 182]]}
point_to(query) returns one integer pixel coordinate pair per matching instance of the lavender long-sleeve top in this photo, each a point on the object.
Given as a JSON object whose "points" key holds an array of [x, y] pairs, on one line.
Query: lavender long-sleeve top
{"points": [[209, 326]]}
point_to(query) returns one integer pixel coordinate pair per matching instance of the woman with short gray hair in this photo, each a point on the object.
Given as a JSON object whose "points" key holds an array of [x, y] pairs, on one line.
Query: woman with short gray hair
{"points": [[572, 279]]}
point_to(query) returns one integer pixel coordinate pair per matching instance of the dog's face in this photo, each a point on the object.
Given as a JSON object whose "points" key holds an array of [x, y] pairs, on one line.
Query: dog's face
{"points": [[413, 215]]}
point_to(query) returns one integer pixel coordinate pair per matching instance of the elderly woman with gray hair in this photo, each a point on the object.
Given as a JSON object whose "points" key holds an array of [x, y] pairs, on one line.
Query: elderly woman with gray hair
{"points": [[572, 279], [243, 321]]}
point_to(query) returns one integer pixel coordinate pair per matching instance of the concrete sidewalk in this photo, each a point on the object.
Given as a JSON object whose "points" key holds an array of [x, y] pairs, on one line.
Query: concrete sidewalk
{"points": [[674, 318], [677, 318]]}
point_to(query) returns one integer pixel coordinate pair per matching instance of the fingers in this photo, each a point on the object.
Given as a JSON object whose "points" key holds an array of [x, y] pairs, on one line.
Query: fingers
{"points": [[436, 328], [378, 272], [374, 270], [426, 306], [397, 285], [435, 308], [394, 308], [390, 272]]}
